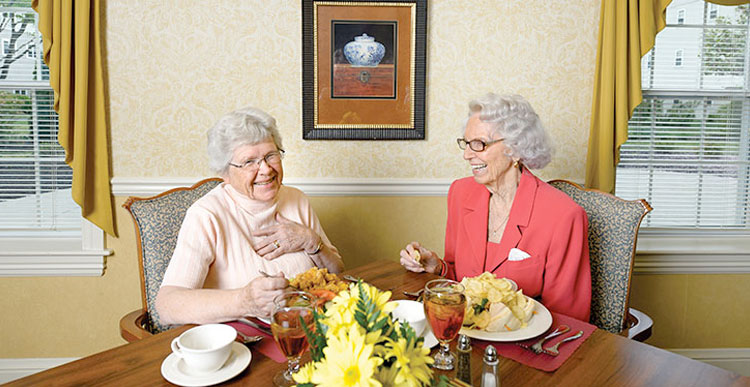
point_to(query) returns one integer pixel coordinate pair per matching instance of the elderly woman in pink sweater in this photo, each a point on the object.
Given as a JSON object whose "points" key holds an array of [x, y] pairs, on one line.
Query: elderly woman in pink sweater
{"points": [[240, 242]]}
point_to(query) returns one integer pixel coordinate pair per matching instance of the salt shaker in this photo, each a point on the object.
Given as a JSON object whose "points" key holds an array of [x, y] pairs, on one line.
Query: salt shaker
{"points": [[463, 371], [490, 374]]}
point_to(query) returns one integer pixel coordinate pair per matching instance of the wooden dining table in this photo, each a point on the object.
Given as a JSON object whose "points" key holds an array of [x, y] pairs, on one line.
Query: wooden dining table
{"points": [[603, 359]]}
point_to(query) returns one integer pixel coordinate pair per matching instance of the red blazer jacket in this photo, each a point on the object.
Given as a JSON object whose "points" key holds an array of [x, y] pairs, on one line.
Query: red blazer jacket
{"points": [[544, 222]]}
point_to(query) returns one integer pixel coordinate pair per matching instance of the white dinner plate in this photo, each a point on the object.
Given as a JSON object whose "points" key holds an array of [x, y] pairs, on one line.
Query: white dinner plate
{"points": [[538, 324], [175, 371]]}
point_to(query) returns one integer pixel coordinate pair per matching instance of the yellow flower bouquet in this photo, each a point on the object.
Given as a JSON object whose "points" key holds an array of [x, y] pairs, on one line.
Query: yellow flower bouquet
{"points": [[356, 342]]}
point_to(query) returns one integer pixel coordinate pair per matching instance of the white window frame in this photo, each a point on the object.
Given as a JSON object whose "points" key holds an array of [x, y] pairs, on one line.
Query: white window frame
{"points": [[713, 11], [45, 253], [681, 14], [678, 57]]}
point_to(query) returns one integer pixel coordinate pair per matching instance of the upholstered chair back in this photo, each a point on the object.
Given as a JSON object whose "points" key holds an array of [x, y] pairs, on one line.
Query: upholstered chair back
{"points": [[157, 222], [613, 233]]}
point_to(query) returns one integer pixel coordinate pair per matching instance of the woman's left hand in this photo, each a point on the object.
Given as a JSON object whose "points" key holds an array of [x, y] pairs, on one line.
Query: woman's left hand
{"points": [[285, 237]]}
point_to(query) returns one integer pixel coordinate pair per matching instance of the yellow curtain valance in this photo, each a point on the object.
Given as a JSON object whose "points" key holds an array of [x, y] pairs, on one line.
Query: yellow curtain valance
{"points": [[729, 2], [72, 33]]}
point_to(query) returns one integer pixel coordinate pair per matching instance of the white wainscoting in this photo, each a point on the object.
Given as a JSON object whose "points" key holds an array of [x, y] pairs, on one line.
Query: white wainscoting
{"points": [[732, 359], [12, 369], [658, 253]]}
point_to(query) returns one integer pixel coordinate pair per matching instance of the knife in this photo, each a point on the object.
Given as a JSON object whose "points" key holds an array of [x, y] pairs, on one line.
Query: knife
{"points": [[255, 325]]}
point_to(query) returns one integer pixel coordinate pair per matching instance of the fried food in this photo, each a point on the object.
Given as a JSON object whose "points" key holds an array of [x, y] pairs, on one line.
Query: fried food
{"points": [[318, 279]]}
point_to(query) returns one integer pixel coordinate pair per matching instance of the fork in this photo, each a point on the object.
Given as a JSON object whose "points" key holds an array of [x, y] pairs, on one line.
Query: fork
{"points": [[553, 349], [247, 339], [414, 294], [537, 347], [350, 278]]}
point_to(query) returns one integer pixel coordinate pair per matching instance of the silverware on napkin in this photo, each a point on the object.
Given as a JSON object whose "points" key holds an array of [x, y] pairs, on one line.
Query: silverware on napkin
{"points": [[553, 349], [537, 347], [246, 339], [247, 322]]}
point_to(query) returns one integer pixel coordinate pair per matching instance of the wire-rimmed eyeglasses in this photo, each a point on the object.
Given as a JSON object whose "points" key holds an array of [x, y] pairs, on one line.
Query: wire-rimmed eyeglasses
{"points": [[476, 145], [271, 158]]}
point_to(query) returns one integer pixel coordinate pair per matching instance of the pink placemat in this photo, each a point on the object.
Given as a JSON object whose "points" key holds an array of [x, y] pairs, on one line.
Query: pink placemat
{"points": [[267, 346], [543, 361]]}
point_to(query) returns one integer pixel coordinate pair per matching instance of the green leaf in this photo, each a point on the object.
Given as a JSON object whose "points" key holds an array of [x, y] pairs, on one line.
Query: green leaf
{"points": [[316, 338], [441, 381]]}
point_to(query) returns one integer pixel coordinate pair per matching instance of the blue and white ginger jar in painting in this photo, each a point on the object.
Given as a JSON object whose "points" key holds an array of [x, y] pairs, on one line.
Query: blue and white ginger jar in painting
{"points": [[364, 51]]}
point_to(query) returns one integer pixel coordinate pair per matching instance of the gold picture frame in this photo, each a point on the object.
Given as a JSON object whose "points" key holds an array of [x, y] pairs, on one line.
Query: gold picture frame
{"points": [[363, 69]]}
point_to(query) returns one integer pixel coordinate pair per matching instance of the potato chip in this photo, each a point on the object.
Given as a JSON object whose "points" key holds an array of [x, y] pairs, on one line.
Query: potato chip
{"points": [[488, 300]]}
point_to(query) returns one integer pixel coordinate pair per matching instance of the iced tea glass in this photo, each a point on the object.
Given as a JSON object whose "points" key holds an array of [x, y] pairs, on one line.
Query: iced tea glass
{"points": [[444, 305], [289, 310]]}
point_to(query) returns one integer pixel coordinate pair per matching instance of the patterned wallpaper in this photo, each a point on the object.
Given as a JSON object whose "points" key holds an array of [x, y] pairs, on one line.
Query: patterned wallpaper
{"points": [[176, 66]]}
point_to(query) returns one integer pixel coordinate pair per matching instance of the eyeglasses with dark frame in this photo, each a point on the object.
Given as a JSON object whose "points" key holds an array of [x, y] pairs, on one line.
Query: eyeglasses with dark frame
{"points": [[271, 158], [476, 145]]}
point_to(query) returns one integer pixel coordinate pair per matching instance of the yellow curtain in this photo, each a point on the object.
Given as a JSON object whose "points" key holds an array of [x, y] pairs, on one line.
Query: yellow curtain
{"points": [[72, 34], [627, 29], [729, 2]]}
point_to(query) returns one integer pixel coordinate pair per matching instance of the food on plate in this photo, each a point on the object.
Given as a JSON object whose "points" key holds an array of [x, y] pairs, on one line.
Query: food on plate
{"points": [[493, 305], [319, 282]]}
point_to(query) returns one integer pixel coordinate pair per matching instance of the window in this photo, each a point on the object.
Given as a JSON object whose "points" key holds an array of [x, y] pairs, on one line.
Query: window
{"points": [[681, 16], [38, 217], [713, 11], [34, 179], [688, 149]]}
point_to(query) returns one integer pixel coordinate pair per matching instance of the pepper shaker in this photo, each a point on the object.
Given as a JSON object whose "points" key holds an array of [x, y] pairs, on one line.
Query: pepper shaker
{"points": [[463, 371], [490, 374]]}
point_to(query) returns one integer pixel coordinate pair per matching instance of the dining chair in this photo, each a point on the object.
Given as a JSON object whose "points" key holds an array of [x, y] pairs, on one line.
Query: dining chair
{"points": [[157, 221], [613, 234]]}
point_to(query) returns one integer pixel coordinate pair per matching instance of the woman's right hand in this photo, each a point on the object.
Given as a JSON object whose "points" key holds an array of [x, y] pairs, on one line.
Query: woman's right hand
{"points": [[258, 294], [418, 259]]}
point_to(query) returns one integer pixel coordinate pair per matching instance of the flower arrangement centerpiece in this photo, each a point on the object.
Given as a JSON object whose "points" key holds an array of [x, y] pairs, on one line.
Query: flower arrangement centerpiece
{"points": [[356, 342]]}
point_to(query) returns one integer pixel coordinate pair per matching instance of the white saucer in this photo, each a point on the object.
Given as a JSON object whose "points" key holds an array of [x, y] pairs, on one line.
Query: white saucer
{"points": [[175, 371]]}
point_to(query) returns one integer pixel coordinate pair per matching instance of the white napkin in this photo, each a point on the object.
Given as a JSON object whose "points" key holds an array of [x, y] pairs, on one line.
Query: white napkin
{"points": [[517, 255]]}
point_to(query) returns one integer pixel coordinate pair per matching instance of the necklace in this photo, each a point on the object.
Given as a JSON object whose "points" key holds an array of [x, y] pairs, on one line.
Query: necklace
{"points": [[500, 225]]}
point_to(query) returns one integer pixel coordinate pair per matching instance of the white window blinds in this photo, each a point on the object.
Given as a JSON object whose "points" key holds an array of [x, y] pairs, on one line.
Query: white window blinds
{"points": [[687, 150], [34, 179]]}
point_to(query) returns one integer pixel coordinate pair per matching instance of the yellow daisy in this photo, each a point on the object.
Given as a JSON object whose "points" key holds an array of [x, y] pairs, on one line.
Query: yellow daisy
{"points": [[304, 375], [412, 362], [348, 362]]}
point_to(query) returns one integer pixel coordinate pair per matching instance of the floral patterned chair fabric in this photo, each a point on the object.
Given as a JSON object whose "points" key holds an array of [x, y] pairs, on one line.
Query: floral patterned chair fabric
{"points": [[613, 234], [157, 222]]}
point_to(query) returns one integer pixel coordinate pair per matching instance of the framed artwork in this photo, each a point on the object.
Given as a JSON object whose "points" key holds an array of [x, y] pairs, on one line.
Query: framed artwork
{"points": [[363, 69]]}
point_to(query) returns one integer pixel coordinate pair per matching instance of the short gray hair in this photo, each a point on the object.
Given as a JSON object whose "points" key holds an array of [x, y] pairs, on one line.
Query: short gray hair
{"points": [[513, 119], [240, 127]]}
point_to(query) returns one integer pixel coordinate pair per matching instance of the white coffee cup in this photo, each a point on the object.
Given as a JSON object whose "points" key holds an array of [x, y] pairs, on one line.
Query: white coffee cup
{"points": [[411, 312], [205, 348]]}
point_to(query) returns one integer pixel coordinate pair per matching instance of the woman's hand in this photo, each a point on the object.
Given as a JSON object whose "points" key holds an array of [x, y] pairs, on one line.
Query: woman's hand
{"points": [[285, 237], [419, 259], [257, 296]]}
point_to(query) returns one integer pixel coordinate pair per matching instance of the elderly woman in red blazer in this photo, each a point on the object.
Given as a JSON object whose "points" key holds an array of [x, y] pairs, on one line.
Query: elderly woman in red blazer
{"points": [[507, 221]]}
